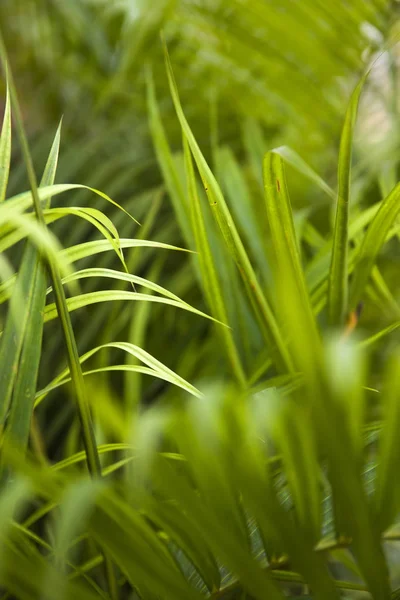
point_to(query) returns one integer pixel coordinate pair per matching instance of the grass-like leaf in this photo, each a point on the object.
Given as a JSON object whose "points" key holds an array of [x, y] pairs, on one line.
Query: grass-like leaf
{"points": [[292, 291], [211, 284], [294, 159], [23, 201], [387, 490], [89, 441], [119, 276], [372, 243], [338, 284], [72, 254], [5, 147], [26, 363], [84, 300], [221, 213], [75, 253], [155, 368], [340, 430], [137, 550]]}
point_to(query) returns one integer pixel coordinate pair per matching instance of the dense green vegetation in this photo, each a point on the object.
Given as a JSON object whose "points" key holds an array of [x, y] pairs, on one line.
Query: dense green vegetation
{"points": [[199, 300]]}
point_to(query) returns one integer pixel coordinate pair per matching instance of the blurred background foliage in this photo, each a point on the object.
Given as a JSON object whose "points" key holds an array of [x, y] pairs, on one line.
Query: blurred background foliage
{"points": [[252, 75]]}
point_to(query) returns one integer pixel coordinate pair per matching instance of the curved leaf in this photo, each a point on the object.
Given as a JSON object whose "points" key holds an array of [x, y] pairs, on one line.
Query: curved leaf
{"points": [[372, 244]]}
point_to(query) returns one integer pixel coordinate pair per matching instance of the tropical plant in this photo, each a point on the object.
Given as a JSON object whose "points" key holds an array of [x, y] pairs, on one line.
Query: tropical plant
{"points": [[262, 74], [280, 481]]}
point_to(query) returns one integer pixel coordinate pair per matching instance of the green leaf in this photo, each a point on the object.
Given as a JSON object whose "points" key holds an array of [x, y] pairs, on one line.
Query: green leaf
{"points": [[372, 243], [137, 337], [317, 270], [346, 373], [338, 425], [338, 285], [210, 282], [291, 289], [86, 249], [377, 336], [137, 550], [118, 275], [5, 147], [54, 272], [98, 219], [16, 327], [84, 300], [264, 314], [244, 207], [21, 202], [187, 534], [221, 539], [26, 364], [296, 440], [75, 507], [387, 489], [298, 163], [72, 254], [156, 368], [281, 535]]}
